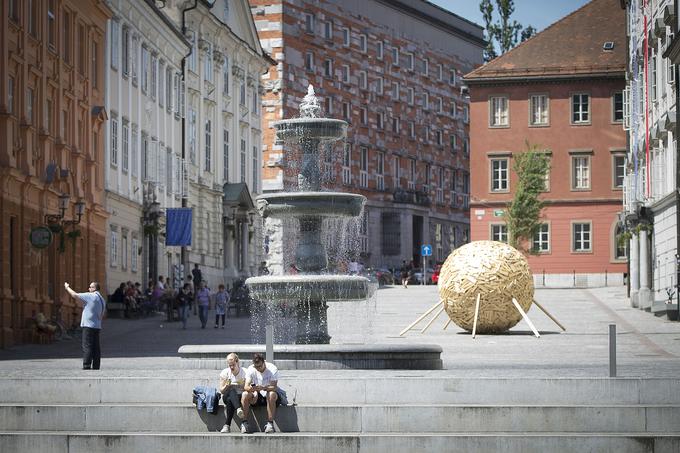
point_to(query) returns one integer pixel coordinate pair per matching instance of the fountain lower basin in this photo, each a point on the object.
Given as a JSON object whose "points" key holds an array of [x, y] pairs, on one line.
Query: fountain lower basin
{"points": [[296, 130], [305, 204], [319, 288]]}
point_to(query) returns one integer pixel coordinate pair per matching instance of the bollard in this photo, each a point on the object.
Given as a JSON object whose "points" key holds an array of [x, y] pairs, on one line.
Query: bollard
{"points": [[612, 350], [269, 334]]}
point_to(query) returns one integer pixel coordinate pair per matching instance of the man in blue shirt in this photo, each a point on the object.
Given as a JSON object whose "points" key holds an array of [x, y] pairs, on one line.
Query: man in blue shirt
{"points": [[91, 322]]}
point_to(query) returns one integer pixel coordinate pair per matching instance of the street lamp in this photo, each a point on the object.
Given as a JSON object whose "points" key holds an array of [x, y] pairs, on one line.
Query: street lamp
{"points": [[51, 219]]}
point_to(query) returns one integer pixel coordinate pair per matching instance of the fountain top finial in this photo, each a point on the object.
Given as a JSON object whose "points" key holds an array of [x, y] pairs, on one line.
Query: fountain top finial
{"points": [[310, 107]]}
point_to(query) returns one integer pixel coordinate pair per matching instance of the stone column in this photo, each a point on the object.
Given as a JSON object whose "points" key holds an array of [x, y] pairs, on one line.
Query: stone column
{"points": [[634, 271], [645, 295]]}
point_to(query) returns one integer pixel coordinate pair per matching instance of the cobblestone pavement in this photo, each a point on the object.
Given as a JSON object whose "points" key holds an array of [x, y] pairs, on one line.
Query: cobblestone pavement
{"points": [[647, 346]]}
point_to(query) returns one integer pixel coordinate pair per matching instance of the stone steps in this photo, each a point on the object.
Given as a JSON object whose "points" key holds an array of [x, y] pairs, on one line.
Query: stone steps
{"points": [[87, 442], [170, 418], [353, 387]]}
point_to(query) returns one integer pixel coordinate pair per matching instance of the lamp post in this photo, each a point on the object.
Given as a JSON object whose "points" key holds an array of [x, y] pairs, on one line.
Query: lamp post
{"points": [[152, 214]]}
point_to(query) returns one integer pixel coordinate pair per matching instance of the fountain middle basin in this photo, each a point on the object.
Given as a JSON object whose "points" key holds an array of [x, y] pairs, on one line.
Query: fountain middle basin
{"points": [[329, 288], [304, 204]]}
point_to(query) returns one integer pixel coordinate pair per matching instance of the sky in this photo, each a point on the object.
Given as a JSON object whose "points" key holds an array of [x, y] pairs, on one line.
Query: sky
{"points": [[539, 13]]}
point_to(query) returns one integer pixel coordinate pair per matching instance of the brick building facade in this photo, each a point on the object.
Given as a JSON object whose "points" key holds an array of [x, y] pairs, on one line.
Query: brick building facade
{"points": [[51, 126], [392, 70], [561, 91]]}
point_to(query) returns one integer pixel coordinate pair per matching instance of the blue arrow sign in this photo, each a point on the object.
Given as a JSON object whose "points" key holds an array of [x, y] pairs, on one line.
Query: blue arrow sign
{"points": [[426, 250]]}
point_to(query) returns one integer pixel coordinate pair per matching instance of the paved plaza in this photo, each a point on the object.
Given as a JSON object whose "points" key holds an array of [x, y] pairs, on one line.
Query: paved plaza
{"points": [[647, 346]]}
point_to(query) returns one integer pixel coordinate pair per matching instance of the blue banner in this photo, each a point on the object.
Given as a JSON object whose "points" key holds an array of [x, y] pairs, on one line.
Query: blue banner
{"points": [[178, 226]]}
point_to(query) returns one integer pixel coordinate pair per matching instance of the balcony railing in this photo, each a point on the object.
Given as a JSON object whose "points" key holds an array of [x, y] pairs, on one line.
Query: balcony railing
{"points": [[411, 196]]}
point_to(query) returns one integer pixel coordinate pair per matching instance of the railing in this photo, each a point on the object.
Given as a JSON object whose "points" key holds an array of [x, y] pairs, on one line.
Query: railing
{"points": [[460, 200], [411, 196]]}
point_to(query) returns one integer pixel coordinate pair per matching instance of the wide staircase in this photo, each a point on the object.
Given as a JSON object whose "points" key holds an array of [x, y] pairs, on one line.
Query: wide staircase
{"points": [[346, 411]]}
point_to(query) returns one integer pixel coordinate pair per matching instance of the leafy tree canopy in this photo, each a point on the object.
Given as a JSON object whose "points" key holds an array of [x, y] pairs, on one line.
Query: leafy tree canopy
{"points": [[502, 32]]}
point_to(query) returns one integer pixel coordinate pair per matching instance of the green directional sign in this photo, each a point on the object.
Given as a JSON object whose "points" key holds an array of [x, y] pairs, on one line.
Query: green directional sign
{"points": [[498, 213]]}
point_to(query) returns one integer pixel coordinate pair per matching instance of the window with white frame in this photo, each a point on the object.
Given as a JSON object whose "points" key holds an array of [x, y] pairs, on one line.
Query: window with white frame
{"points": [[363, 80], [363, 44], [113, 248], [192, 60], [541, 242], [329, 105], [256, 169], [426, 67], [440, 105], [328, 30], [126, 146], [345, 73], [499, 174], [617, 107], [581, 236], [154, 76], [161, 84], [346, 37], [397, 172], [466, 146], [499, 232], [134, 62], [30, 101], [379, 50], [145, 156], [452, 76], [52, 25], [412, 174], [440, 72], [439, 138], [134, 136], [309, 23], [410, 95], [619, 170], [498, 111], [580, 108], [346, 111], [243, 160], [379, 83], [123, 251], [208, 63], [410, 61], [170, 103], [114, 141], [652, 72], [538, 104], [380, 173], [396, 125], [395, 91], [380, 120], [133, 255], [426, 186], [242, 93], [145, 70], [363, 115], [255, 101], [580, 172], [328, 67], [363, 169], [115, 43], [395, 56], [440, 186], [125, 44], [225, 155], [225, 77], [192, 136], [620, 246], [411, 129], [453, 142], [426, 100], [347, 165], [208, 145], [169, 170], [466, 113], [309, 61]]}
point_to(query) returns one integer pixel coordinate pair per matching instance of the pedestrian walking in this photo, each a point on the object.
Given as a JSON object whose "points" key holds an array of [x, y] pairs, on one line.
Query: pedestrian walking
{"points": [[221, 300], [203, 300], [91, 322], [184, 299]]}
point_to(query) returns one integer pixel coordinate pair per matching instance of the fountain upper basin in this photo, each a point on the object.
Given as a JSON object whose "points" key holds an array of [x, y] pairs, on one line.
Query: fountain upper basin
{"points": [[296, 130], [312, 288], [305, 204]]}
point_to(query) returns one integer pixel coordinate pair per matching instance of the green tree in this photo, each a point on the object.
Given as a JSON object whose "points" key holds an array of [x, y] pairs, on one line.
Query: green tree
{"points": [[523, 216], [503, 32]]}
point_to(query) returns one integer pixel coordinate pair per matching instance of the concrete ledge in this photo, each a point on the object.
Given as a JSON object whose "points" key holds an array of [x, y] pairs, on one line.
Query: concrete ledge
{"points": [[321, 356], [46, 442]]}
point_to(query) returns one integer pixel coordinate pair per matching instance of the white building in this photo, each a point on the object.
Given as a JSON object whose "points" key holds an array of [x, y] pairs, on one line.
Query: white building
{"points": [[143, 139], [649, 197], [223, 135]]}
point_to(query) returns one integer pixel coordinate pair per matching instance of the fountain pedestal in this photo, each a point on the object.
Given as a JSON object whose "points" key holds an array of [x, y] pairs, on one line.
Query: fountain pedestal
{"points": [[312, 323]]}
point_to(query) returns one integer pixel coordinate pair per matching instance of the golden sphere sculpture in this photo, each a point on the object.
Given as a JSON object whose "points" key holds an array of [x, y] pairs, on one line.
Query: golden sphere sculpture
{"points": [[495, 271]]}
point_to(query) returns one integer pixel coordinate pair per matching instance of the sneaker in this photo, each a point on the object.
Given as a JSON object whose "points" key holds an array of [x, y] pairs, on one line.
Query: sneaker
{"points": [[226, 429], [244, 428], [269, 427], [223, 327], [239, 413], [215, 326]]}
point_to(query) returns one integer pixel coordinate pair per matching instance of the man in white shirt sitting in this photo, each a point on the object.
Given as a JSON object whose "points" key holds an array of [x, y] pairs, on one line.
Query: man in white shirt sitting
{"points": [[260, 390]]}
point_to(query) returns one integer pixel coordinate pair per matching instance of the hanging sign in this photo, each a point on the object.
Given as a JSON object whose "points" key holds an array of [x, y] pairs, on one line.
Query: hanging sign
{"points": [[40, 237]]}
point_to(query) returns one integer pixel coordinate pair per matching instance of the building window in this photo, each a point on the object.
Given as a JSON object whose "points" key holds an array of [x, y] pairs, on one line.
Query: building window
{"points": [[466, 114], [379, 50], [145, 70], [309, 23], [380, 173], [364, 115], [395, 91], [329, 105], [396, 125], [410, 96], [541, 242], [328, 30], [453, 142], [309, 61], [256, 169], [346, 111], [426, 67], [33, 18], [154, 76], [539, 110], [440, 72], [328, 68], [345, 73], [192, 60], [411, 130], [581, 237], [347, 165], [363, 173], [113, 249], [52, 24], [363, 80], [580, 170], [124, 251], [225, 77], [161, 84], [466, 146], [412, 174], [208, 145], [580, 108], [380, 120], [620, 246], [426, 100], [208, 64], [30, 100], [617, 107], [452, 76], [438, 136], [619, 164], [133, 255], [126, 147], [498, 111], [114, 141], [192, 136], [125, 41], [82, 49], [346, 37], [379, 84], [453, 109], [243, 160], [133, 153], [242, 93], [499, 232], [14, 11], [397, 171], [225, 155], [499, 175], [363, 45], [410, 61], [67, 37], [395, 56], [225, 11], [440, 105]]}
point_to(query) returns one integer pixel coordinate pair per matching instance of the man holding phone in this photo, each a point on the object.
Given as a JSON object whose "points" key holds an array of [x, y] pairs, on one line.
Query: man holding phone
{"points": [[260, 390], [91, 322]]}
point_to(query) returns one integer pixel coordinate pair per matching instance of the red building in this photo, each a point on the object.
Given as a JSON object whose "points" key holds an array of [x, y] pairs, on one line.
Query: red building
{"points": [[561, 91]]}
